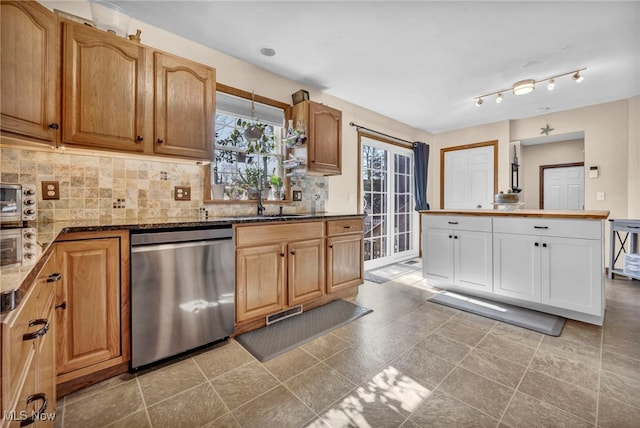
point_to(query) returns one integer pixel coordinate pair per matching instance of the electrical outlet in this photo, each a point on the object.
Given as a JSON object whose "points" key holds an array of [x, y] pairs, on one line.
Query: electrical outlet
{"points": [[51, 190], [600, 196], [182, 193], [297, 195]]}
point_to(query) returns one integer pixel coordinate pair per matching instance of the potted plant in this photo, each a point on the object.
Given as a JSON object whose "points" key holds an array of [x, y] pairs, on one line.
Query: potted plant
{"points": [[276, 188]]}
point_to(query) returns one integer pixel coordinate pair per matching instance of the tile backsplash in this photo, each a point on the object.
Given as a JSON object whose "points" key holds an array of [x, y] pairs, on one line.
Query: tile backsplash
{"points": [[104, 187]]}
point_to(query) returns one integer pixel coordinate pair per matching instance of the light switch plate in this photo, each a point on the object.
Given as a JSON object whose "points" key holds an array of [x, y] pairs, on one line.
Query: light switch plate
{"points": [[50, 190], [600, 196], [182, 193]]}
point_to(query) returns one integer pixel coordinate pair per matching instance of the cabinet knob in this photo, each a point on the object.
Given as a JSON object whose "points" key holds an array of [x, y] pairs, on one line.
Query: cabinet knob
{"points": [[455, 237], [54, 126], [450, 236], [281, 254], [62, 306], [139, 138], [544, 245], [41, 332], [536, 244], [54, 277], [293, 253], [160, 141]]}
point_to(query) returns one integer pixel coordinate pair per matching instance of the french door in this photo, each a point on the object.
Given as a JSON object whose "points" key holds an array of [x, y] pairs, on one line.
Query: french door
{"points": [[386, 187]]}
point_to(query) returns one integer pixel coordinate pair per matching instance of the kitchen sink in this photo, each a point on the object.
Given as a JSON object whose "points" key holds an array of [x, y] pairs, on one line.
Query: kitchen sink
{"points": [[272, 217]]}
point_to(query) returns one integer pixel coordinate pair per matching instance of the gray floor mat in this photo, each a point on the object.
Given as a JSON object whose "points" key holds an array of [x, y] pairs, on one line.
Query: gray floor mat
{"points": [[275, 339], [533, 320]]}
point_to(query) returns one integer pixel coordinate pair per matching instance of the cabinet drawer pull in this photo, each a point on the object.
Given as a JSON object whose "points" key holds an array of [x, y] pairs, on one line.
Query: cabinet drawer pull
{"points": [[54, 277], [34, 335], [347, 227], [62, 306], [36, 416], [160, 141], [633, 227], [54, 126], [541, 227], [452, 222]]}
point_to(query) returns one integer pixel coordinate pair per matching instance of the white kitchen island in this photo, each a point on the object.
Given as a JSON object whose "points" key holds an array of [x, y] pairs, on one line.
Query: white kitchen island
{"points": [[550, 261]]}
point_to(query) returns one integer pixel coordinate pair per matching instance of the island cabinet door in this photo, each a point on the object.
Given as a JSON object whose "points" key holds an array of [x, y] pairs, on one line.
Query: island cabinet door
{"points": [[305, 271], [260, 276], [472, 260], [516, 266], [437, 256], [572, 272]]}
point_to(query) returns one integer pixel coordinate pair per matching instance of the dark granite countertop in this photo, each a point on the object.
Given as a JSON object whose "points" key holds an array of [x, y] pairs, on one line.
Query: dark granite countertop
{"points": [[15, 282]]}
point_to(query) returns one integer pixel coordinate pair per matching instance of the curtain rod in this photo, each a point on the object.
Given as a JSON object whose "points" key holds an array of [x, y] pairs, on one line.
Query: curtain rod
{"points": [[358, 127]]}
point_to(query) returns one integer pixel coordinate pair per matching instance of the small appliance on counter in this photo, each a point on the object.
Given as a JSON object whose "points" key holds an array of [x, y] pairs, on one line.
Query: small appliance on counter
{"points": [[17, 203], [17, 247], [507, 201]]}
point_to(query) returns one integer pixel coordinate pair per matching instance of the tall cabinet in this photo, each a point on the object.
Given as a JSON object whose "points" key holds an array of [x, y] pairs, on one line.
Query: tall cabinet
{"points": [[29, 61]]}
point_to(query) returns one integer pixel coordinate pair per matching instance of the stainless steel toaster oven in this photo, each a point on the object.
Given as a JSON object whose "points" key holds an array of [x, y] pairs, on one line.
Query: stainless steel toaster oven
{"points": [[17, 203]]}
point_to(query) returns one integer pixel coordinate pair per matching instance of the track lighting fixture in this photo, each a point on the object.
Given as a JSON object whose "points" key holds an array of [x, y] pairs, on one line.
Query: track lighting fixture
{"points": [[529, 85]]}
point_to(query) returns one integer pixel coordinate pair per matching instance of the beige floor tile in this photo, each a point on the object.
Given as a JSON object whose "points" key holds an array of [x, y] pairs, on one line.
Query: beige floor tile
{"points": [[441, 410], [446, 348], [464, 385], [570, 350], [191, 408], [226, 421], [621, 364], [621, 387], [98, 388], [424, 323], [506, 349], [517, 335], [104, 407], [461, 333], [526, 411], [422, 364], [290, 364], [578, 401], [277, 408], [587, 334], [245, 383], [325, 346], [572, 371], [171, 380], [437, 310], [319, 386], [493, 367], [137, 420], [224, 357], [619, 345], [615, 414], [355, 365], [476, 322]]}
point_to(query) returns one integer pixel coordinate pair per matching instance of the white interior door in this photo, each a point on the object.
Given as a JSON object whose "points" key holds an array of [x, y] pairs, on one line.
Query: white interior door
{"points": [[564, 188], [468, 178]]}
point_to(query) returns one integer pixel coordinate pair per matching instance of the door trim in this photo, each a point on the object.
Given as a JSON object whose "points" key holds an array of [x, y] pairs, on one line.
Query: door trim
{"points": [[493, 143], [541, 180]]}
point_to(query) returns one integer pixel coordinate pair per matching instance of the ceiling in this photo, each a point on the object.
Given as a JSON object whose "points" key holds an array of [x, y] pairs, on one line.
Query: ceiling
{"points": [[423, 62]]}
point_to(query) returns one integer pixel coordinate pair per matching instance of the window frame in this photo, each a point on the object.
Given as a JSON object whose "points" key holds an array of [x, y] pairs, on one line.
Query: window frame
{"points": [[286, 108]]}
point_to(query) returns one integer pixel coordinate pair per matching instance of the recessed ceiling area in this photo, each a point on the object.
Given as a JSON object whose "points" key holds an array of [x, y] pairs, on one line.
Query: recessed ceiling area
{"points": [[569, 136], [423, 62]]}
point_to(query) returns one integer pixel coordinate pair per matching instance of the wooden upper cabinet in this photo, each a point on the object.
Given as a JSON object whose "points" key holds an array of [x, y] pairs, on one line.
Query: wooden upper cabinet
{"points": [[30, 79], [103, 89], [184, 107], [324, 136]]}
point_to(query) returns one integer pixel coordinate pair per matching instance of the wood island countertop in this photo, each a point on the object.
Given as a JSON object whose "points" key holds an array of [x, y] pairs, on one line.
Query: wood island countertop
{"points": [[568, 214]]}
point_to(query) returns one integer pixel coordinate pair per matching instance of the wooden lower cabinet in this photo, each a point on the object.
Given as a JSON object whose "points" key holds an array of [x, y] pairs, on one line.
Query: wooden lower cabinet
{"points": [[345, 261], [92, 304], [28, 387], [305, 261]]}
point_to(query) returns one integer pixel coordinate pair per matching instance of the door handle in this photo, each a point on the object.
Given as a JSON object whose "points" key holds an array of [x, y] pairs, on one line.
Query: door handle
{"points": [[37, 333]]}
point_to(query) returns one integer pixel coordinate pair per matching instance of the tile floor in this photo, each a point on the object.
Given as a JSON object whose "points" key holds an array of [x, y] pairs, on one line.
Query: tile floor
{"points": [[408, 364]]}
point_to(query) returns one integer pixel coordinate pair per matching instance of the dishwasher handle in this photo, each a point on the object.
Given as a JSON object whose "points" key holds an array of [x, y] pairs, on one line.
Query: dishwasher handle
{"points": [[175, 245], [191, 235]]}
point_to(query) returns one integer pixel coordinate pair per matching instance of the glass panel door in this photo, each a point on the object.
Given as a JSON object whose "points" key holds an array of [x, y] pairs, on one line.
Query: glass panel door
{"points": [[387, 189]]}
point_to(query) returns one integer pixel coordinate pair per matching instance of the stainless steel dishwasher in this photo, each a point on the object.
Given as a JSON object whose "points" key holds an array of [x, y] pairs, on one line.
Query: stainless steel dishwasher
{"points": [[182, 291]]}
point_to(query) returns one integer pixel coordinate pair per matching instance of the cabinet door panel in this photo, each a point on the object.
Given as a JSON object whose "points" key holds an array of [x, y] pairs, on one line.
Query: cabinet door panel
{"points": [[184, 107], [437, 254], [473, 257], [572, 272], [516, 261], [259, 281], [89, 328], [103, 89], [305, 271], [344, 262], [325, 139], [29, 69]]}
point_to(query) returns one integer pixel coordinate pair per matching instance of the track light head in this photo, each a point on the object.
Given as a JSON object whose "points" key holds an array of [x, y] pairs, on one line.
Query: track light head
{"points": [[479, 102], [499, 98], [578, 77], [552, 84]]}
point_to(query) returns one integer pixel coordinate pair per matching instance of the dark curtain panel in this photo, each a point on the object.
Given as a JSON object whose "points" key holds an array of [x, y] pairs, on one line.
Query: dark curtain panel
{"points": [[421, 166]]}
